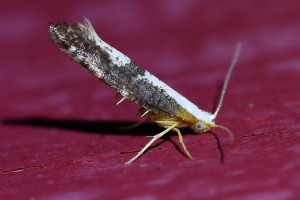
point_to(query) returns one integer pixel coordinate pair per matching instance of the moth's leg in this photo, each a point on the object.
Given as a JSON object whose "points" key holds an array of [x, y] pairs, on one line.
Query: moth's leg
{"points": [[133, 125], [182, 143], [145, 113], [165, 123], [155, 137], [121, 101]]}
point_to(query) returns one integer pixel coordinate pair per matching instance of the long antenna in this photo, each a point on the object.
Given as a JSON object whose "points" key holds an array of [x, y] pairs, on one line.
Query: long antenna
{"points": [[232, 65]]}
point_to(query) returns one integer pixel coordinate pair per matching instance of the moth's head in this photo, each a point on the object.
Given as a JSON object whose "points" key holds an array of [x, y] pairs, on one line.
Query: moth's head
{"points": [[202, 127]]}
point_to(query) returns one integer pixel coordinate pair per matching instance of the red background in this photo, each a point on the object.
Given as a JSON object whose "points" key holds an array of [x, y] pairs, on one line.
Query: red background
{"points": [[59, 125]]}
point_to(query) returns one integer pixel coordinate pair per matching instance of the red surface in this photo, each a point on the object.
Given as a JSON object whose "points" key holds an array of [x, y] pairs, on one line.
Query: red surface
{"points": [[59, 136]]}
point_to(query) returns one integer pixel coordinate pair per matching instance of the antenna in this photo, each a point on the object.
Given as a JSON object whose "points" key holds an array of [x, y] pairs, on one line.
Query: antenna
{"points": [[232, 65]]}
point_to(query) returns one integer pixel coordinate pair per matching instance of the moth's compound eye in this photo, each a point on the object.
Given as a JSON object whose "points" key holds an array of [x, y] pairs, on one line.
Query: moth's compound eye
{"points": [[199, 126]]}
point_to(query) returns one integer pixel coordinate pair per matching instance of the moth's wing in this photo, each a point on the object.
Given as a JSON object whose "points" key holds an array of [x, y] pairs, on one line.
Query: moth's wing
{"points": [[116, 70]]}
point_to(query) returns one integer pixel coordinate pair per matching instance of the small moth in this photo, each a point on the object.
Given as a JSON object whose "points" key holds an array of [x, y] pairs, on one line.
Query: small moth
{"points": [[158, 101]]}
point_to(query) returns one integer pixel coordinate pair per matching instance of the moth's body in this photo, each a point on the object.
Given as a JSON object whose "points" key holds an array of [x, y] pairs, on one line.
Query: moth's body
{"points": [[158, 101]]}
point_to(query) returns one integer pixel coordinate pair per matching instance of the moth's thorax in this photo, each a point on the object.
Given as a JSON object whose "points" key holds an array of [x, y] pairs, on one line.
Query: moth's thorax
{"points": [[194, 114]]}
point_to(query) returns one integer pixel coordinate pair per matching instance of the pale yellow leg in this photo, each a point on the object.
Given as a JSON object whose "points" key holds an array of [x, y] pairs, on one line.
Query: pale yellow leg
{"points": [[132, 126], [182, 143], [155, 137], [121, 101]]}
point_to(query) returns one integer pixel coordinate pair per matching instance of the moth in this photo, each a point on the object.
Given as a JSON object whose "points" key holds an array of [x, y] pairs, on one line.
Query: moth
{"points": [[157, 101]]}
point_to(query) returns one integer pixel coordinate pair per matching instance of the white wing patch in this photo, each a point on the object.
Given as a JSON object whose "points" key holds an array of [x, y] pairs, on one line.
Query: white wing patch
{"points": [[181, 100]]}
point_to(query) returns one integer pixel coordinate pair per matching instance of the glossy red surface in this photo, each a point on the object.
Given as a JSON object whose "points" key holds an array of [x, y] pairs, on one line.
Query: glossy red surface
{"points": [[59, 125]]}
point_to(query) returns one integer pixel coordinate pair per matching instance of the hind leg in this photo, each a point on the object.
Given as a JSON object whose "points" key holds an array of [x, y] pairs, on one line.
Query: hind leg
{"points": [[132, 126], [155, 137]]}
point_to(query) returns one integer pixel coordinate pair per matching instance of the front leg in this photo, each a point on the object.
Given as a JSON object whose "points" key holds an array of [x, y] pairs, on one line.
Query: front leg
{"points": [[182, 143], [155, 137]]}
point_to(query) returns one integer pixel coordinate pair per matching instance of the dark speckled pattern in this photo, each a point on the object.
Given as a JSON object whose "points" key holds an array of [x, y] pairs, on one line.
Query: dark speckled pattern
{"points": [[127, 79]]}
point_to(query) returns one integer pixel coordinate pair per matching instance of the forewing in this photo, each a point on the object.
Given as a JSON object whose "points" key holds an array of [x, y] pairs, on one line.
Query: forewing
{"points": [[116, 70]]}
